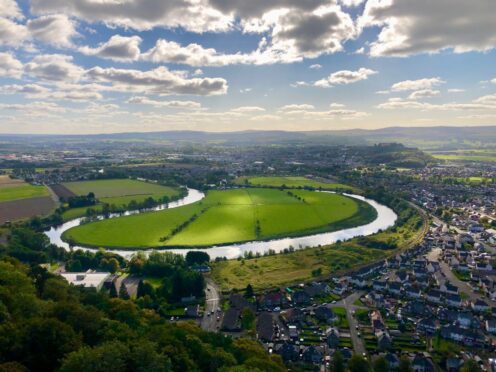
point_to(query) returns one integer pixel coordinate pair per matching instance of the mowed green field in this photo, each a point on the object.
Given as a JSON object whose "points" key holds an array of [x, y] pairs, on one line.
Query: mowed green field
{"points": [[121, 191], [22, 191], [291, 182], [227, 217]]}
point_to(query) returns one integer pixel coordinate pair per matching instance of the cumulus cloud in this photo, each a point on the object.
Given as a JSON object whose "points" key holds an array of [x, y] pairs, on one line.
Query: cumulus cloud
{"points": [[194, 16], [315, 67], [420, 84], [54, 67], [247, 109], [10, 9], [157, 81], [487, 102], [12, 33], [70, 92], [424, 93], [297, 107], [118, 48], [425, 26], [456, 90], [10, 66], [54, 29], [345, 77], [169, 104]]}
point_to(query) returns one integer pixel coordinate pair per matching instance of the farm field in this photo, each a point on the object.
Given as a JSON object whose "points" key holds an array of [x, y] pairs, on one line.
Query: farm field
{"points": [[22, 191], [121, 191], [20, 200], [477, 158], [228, 217], [291, 182]]}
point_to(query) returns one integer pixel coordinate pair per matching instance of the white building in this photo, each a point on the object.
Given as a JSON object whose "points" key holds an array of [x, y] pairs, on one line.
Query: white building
{"points": [[88, 279]]}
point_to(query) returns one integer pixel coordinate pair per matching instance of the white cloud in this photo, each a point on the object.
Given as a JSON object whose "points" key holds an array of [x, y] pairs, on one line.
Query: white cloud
{"points": [[56, 29], [456, 90], [420, 84], [169, 104], [10, 9], [315, 67], [424, 93], [194, 16], [297, 107], [336, 105], [411, 27], [487, 102], [54, 67], [12, 33], [117, 48], [345, 77], [157, 81], [10, 66], [247, 109]]}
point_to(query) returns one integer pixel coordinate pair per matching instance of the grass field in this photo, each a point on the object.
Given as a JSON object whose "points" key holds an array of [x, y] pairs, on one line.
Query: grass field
{"points": [[298, 266], [227, 217], [476, 158], [291, 182], [121, 191], [22, 191]]}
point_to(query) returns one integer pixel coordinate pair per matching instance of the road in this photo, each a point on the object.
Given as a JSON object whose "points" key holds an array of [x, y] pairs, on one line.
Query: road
{"points": [[434, 255], [349, 305], [212, 303]]}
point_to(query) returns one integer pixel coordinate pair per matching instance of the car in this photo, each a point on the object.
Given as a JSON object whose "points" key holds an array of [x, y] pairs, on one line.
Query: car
{"points": [[357, 327], [277, 309], [333, 302], [359, 334]]}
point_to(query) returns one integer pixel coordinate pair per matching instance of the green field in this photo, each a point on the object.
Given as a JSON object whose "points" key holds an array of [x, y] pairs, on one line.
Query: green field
{"points": [[476, 158], [228, 217], [291, 182], [298, 266], [121, 191], [22, 191], [118, 192]]}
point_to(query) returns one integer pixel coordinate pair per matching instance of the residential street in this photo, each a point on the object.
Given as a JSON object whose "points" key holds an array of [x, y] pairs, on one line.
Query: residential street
{"points": [[349, 304], [209, 321], [434, 255]]}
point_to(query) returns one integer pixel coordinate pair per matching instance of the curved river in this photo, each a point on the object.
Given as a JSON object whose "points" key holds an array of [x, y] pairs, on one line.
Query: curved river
{"points": [[385, 218]]}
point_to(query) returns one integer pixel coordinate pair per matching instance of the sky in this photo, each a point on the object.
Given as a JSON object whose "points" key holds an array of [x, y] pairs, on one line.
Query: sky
{"points": [[106, 66]]}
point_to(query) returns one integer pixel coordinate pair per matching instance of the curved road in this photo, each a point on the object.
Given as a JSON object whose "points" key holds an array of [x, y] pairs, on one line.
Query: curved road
{"points": [[209, 321]]}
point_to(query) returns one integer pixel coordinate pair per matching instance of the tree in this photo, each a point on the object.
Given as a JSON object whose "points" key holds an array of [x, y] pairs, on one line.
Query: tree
{"points": [[470, 366], [247, 318], [405, 365], [197, 258], [358, 363], [123, 292], [337, 362], [381, 365], [113, 265], [249, 291], [113, 291]]}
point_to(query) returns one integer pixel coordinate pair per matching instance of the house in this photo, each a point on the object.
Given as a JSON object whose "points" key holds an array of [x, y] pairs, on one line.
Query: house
{"points": [[201, 268], [447, 287], [392, 360], [358, 281], [265, 327], [272, 300], [231, 321], [332, 338], [325, 314], [239, 302], [433, 266], [480, 306], [301, 298], [379, 285], [491, 326], [313, 354], [317, 289], [453, 300], [339, 289], [453, 364], [89, 279], [422, 363], [418, 308], [434, 296], [193, 311], [402, 276], [395, 288], [465, 319], [292, 332], [458, 334], [384, 341], [288, 351], [413, 293], [294, 316], [427, 326]]}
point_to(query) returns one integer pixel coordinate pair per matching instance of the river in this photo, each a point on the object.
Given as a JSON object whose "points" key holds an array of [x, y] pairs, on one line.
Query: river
{"points": [[385, 219]]}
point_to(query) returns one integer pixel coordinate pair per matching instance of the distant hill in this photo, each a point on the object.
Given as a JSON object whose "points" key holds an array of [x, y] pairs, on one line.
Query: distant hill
{"points": [[426, 138]]}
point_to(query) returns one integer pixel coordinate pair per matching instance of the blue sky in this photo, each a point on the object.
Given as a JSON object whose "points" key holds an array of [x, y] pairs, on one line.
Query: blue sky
{"points": [[81, 66]]}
